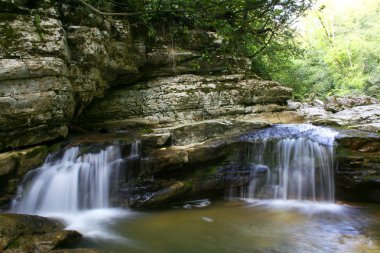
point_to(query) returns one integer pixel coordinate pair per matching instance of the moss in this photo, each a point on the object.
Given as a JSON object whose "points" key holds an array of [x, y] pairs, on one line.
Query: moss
{"points": [[10, 35], [146, 131], [7, 17], [14, 244], [54, 148]]}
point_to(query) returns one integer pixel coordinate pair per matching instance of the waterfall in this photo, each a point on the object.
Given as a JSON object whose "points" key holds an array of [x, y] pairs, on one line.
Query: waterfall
{"points": [[71, 183], [297, 163], [135, 149]]}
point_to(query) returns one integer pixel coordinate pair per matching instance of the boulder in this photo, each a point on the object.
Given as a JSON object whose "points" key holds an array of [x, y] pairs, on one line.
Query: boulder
{"points": [[14, 165], [30, 233], [358, 170]]}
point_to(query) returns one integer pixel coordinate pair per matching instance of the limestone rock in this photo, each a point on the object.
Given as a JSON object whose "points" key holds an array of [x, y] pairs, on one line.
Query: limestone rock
{"points": [[34, 110], [186, 98], [337, 104]]}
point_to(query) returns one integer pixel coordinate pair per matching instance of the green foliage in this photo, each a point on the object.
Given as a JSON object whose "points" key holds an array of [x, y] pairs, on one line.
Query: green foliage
{"points": [[341, 51], [247, 27]]}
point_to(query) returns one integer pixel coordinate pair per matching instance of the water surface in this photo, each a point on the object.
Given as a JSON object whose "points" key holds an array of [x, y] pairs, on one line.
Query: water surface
{"points": [[247, 226]]}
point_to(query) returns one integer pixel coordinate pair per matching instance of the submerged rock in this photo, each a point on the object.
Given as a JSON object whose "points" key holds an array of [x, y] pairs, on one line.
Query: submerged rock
{"points": [[30, 233]]}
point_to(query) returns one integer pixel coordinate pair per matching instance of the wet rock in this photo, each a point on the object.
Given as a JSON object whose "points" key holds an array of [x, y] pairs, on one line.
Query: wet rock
{"points": [[358, 171], [14, 165], [206, 130], [167, 159], [30, 233]]}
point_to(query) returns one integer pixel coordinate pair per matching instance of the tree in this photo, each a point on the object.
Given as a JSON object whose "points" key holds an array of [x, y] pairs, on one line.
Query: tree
{"points": [[248, 27], [341, 51]]}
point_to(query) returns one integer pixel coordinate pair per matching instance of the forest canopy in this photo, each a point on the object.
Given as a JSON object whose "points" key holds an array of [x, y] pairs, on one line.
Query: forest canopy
{"points": [[338, 51], [318, 47], [256, 29]]}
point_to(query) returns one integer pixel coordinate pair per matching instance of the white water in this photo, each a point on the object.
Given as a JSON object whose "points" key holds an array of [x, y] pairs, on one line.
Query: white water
{"points": [[75, 188], [296, 168]]}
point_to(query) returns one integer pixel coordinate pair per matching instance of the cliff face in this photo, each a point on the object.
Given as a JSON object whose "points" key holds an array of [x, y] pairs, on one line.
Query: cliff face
{"points": [[56, 58]]}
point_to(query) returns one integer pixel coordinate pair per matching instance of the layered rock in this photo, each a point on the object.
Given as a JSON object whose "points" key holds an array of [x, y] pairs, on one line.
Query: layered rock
{"points": [[36, 99], [358, 170], [362, 113], [187, 98]]}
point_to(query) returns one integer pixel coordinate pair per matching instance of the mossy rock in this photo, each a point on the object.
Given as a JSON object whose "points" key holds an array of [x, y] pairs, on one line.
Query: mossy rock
{"points": [[31, 233]]}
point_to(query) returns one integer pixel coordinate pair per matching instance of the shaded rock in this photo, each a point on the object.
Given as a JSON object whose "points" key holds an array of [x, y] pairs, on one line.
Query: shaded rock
{"points": [[206, 130], [30, 233], [74, 251], [14, 165], [167, 158], [34, 110], [358, 171], [158, 194]]}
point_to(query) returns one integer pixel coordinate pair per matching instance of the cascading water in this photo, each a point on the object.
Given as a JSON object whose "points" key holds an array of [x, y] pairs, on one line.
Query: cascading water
{"points": [[76, 188], [291, 163], [74, 182]]}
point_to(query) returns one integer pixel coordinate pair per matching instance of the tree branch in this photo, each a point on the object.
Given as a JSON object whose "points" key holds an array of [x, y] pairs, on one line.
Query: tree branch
{"points": [[93, 9], [264, 46]]}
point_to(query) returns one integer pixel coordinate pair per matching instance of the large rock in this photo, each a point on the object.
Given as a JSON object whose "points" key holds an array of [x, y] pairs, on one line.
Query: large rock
{"points": [[36, 99], [186, 98], [29, 233], [14, 165], [361, 113], [337, 104], [358, 170]]}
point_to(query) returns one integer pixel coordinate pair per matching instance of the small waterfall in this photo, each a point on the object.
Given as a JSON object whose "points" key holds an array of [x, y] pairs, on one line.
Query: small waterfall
{"points": [[69, 184], [297, 164], [135, 149]]}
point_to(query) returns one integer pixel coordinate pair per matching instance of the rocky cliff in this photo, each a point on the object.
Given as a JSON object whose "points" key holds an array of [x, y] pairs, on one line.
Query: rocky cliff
{"points": [[56, 58], [63, 67]]}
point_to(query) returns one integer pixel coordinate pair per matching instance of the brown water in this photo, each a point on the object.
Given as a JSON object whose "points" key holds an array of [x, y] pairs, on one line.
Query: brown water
{"points": [[239, 226]]}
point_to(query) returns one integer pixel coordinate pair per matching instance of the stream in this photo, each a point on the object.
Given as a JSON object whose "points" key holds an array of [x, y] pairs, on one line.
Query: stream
{"points": [[288, 206], [246, 226]]}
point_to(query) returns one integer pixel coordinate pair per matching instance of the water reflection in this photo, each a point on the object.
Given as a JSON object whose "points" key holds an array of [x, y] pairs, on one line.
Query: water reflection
{"points": [[241, 226]]}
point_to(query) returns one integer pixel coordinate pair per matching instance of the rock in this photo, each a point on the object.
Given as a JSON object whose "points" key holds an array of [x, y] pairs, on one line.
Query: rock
{"points": [[167, 159], [34, 110], [186, 98], [371, 127], [14, 165], [359, 115], [74, 251], [358, 171], [205, 130], [30, 233], [337, 104], [293, 105]]}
